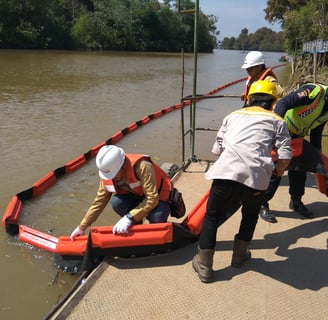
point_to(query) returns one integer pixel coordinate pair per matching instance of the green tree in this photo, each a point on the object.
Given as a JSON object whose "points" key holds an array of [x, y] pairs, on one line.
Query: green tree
{"points": [[276, 9], [307, 23], [143, 25], [264, 39], [243, 39], [228, 43], [37, 23]]}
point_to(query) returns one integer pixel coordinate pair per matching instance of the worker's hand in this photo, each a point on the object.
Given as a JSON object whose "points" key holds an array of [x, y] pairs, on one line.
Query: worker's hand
{"points": [[122, 225], [280, 166], [278, 172], [77, 232]]}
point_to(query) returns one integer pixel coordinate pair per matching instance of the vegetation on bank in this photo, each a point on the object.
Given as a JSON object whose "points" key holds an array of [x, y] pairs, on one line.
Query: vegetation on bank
{"points": [[301, 20], [304, 72], [132, 25], [150, 25], [264, 39]]}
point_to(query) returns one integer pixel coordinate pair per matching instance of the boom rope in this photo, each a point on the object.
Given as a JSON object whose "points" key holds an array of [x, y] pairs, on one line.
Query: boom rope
{"points": [[12, 212]]}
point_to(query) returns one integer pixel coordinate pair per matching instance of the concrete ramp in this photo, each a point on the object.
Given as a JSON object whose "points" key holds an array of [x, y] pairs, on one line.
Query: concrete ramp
{"points": [[287, 277]]}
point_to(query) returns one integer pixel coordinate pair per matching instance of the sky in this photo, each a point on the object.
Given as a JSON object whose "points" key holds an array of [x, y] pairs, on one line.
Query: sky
{"points": [[235, 15]]}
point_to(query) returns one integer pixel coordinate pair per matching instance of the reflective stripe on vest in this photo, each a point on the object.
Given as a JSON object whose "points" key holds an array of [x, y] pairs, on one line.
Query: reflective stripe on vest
{"points": [[163, 182], [304, 118]]}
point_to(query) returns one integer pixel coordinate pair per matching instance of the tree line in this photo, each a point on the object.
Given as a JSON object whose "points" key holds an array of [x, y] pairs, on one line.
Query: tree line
{"points": [[264, 39], [150, 25], [301, 20], [133, 25]]}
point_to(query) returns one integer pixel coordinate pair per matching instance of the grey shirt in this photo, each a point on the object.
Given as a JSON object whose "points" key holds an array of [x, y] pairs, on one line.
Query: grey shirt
{"points": [[244, 144]]}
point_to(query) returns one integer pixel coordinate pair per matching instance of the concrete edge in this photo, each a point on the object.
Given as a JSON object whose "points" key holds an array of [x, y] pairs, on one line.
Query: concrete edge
{"points": [[73, 300]]}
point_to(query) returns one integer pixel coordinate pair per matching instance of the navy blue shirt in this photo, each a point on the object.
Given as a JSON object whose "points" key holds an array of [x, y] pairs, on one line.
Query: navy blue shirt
{"points": [[300, 97]]}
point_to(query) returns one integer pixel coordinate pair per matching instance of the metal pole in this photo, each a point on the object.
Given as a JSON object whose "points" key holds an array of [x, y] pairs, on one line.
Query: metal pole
{"points": [[182, 111], [194, 92]]}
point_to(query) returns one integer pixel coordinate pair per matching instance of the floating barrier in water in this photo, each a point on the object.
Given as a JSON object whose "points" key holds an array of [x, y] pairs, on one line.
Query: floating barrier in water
{"points": [[141, 240]]}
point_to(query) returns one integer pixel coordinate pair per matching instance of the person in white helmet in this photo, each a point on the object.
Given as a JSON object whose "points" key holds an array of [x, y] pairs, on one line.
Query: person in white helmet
{"points": [[136, 187], [256, 69]]}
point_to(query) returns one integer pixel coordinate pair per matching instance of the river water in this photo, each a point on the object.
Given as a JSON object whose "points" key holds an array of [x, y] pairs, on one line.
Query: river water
{"points": [[56, 105]]}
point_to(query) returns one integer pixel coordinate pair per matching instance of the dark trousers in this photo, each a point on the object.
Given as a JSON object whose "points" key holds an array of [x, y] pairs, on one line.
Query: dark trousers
{"points": [[225, 198], [297, 181], [309, 161], [123, 203]]}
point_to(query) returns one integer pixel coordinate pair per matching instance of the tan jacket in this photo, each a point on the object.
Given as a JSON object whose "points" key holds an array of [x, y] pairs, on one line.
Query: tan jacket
{"points": [[244, 143], [145, 171]]}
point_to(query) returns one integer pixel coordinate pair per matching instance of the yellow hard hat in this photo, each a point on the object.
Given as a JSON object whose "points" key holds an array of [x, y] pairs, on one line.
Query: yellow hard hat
{"points": [[262, 88]]}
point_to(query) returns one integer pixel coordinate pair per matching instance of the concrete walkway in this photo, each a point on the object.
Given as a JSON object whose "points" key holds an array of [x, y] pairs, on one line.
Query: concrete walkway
{"points": [[287, 277]]}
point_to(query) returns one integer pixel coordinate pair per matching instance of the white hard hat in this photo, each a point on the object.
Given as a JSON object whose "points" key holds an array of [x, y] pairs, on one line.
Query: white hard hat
{"points": [[252, 59], [109, 161]]}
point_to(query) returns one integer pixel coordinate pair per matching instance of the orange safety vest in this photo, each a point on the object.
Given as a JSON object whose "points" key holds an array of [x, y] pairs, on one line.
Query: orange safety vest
{"points": [[249, 81], [163, 182]]}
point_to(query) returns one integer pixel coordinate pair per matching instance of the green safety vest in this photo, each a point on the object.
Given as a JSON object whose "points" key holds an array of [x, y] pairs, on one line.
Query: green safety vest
{"points": [[302, 119]]}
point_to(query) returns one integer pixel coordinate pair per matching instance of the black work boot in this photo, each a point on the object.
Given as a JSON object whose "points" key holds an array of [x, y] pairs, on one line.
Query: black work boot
{"points": [[202, 263], [267, 215], [240, 253], [297, 205]]}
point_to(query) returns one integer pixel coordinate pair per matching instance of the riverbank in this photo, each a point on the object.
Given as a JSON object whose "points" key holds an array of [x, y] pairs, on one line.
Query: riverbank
{"points": [[304, 72]]}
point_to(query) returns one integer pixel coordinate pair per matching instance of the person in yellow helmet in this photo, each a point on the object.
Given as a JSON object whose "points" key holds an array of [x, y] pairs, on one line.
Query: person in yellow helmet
{"points": [[242, 173]]}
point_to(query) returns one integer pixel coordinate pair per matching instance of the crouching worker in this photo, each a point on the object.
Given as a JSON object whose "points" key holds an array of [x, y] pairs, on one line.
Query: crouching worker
{"points": [[135, 186], [242, 173]]}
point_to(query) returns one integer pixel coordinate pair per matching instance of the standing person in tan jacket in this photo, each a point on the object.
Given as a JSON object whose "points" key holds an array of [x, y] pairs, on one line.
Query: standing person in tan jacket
{"points": [[242, 173]]}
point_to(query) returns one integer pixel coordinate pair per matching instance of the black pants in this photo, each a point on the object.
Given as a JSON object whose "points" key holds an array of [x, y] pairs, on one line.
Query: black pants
{"points": [[309, 161], [225, 198]]}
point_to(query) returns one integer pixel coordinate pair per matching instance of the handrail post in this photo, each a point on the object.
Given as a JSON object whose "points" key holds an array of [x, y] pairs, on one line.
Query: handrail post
{"points": [[194, 91]]}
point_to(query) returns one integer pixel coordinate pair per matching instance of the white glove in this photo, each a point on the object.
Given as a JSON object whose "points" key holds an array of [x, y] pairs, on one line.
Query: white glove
{"points": [[77, 232], [122, 225]]}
